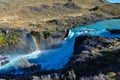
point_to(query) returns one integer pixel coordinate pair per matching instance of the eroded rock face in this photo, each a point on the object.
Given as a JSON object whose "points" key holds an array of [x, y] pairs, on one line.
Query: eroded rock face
{"points": [[24, 41], [12, 40]]}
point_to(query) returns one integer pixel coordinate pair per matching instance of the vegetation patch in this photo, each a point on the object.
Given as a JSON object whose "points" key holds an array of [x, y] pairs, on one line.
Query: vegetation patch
{"points": [[8, 39], [47, 33]]}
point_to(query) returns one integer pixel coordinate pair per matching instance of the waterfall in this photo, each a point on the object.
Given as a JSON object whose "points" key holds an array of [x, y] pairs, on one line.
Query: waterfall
{"points": [[51, 59], [55, 59]]}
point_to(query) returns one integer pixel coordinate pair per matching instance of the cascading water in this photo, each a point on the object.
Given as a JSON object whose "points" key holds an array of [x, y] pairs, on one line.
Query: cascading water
{"points": [[55, 59]]}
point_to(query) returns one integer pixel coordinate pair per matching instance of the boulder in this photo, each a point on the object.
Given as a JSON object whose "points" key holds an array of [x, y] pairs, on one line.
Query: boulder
{"points": [[71, 5]]}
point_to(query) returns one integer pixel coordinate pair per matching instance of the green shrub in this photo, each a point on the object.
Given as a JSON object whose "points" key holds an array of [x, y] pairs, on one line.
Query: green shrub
{"points": [[9, 39]]}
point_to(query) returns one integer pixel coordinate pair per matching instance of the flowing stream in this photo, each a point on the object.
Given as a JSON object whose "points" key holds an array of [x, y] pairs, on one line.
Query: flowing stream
{"points": [[55, 59]]}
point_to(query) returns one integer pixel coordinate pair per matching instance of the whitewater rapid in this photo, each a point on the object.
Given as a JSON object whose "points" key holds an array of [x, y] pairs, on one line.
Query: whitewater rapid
{"points": [[55, 59]]}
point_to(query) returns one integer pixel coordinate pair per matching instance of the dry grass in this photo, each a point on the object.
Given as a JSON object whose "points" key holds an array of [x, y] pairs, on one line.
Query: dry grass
{"points": [[18, 13], [109, 10]]}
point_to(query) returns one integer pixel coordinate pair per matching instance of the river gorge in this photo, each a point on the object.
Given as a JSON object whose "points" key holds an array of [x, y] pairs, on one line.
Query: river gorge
{"points": [[55, 59]]}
